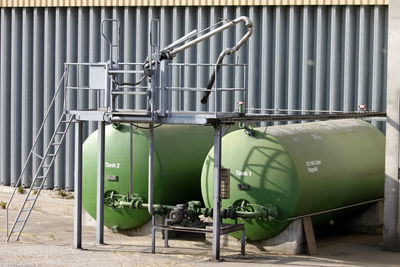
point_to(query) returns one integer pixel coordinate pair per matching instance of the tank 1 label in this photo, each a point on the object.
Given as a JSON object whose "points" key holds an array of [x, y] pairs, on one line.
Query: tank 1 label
{"points": [[112, 165], [312, 165], [243, 173]]}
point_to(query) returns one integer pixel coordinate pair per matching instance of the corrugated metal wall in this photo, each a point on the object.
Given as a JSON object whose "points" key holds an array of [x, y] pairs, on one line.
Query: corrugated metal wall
{"points": [[300, 57]]}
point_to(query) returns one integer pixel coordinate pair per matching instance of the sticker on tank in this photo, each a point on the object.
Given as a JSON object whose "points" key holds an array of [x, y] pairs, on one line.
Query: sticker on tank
{"points": [[312, 165], [112, 165]]}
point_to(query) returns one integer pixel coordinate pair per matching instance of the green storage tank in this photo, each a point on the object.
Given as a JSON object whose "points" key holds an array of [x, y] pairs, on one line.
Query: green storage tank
{"points": [[179, 152], [300, 168]]}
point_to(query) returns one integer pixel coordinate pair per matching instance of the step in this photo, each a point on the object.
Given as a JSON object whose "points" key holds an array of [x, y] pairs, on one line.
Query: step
{"points": [[50, 155], [46, 166], [61, 132]]}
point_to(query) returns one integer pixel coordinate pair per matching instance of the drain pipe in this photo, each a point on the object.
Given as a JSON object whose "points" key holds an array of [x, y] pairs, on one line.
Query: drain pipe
{"points": [[150, 182]]}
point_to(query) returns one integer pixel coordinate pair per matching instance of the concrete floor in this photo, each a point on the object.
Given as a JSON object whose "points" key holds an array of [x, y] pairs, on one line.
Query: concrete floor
{"points": [[47, 241]]}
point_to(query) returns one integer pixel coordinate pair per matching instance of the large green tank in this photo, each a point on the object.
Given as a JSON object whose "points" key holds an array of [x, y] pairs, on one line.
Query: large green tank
{"points": [[179, 152], [300, 168]]}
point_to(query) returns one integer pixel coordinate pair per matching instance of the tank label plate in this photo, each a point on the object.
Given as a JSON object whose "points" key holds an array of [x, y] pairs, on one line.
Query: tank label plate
{"points": [[114, 165], [243, 173], [312, 165]]}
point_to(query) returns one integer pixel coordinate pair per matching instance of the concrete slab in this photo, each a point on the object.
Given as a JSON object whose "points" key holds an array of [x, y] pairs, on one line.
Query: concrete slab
{"points": [[47, 241]]}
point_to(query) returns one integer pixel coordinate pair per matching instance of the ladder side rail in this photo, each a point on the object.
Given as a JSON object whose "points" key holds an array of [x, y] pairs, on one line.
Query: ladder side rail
{"points": [[35, 178], [31, 151]]}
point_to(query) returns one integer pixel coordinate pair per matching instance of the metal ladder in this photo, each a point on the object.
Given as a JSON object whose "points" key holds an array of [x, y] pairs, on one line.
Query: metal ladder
{"points": [[43, 169]]}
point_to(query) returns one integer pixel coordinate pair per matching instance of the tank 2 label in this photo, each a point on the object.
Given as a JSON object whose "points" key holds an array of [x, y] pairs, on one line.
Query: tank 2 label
{"points": [[312, 165], [112, 165]]}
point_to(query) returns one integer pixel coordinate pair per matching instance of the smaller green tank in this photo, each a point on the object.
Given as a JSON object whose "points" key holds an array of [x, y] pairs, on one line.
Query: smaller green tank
{"points": [[301, 169], [179, 152]]}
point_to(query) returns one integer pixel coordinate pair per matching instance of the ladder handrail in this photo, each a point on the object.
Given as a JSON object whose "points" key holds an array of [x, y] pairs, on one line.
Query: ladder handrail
{"points": [[34, 144], [36, 175]]}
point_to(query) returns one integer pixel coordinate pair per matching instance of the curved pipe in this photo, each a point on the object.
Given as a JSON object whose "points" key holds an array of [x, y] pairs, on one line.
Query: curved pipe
{"points": [[228, 51], [169, 53]]}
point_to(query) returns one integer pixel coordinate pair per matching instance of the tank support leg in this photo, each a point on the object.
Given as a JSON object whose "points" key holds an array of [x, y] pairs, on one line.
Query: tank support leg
{"points": [[78, 187], [243, 243], [219, 131], [153, 235], [166, 238], [100, 184]]}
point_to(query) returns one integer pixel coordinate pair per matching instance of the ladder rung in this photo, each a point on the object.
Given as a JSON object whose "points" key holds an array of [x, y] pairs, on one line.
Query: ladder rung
{"points": [[31, 199], [26, 210], [16, 231], [20, 221], [35, 187], [50, 155], [61, 132], [66, 121], [37, 155], [40, 177], [46, 166], [56, 144]]}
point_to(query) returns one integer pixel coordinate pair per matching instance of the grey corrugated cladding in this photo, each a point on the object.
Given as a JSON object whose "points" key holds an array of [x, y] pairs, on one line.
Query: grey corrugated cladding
{"points": [[300, 57]]}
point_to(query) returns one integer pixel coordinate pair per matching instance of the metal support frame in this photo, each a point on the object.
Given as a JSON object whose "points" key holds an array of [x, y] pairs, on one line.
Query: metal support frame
{"points": [[224, 229], [78, 186], [219, 131], [100, 184]]}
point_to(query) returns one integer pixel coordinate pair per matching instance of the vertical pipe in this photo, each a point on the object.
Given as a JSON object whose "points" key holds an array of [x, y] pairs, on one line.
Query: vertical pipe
{"points": [[217, 193], [333, 59], [348, 59], [129, 52], [100, 184], [83, 56], [16, 59], [94, 55], [215, 50], [141, 46], [60, 58], [320, 59], [203, 55], [376, 59], [292, 62], [227, 73], [26, 142], [254, 62], [278, 78], [48, 73], [239, 73], [130, 159], [266, 55], [37, 82], [5, 95], [151, 157], [71, 55], [190, 57], [78, 187], [150, 186], [307, 61]]}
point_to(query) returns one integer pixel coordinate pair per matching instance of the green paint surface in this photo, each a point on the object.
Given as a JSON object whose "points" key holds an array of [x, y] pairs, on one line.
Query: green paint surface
{"points": [[302, 169], [179, 152]]}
